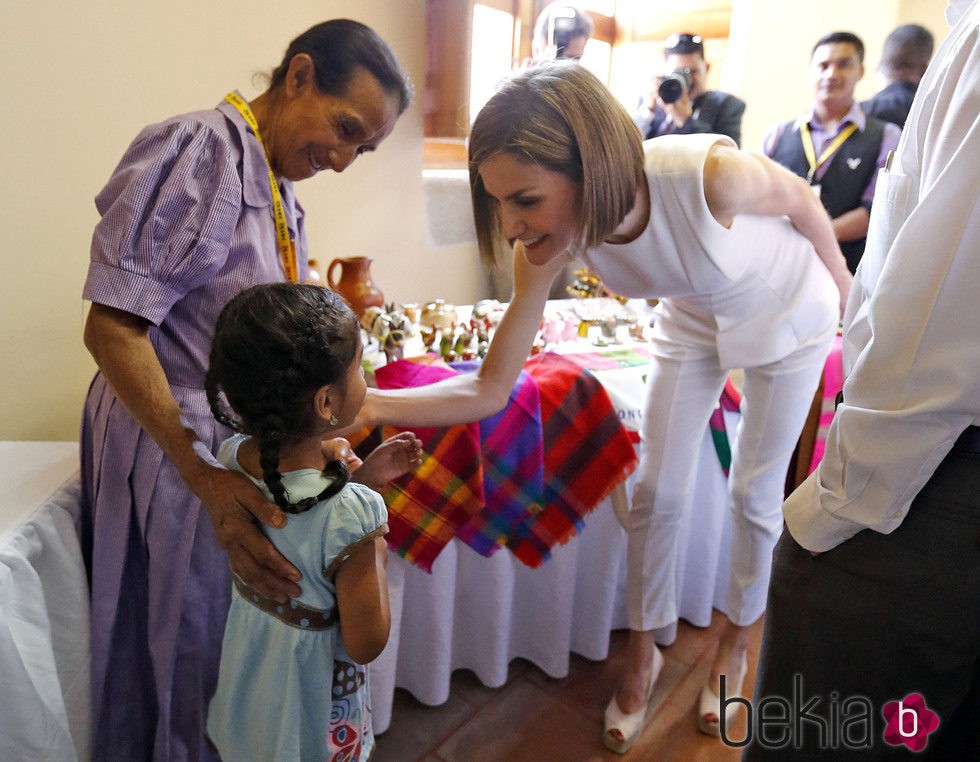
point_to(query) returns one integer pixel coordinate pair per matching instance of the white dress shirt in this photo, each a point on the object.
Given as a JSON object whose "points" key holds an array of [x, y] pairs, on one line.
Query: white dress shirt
{"points": [[912, 324]]}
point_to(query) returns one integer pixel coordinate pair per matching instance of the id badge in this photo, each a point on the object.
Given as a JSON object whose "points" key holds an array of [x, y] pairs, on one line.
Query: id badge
{"points": [[816, 189]]}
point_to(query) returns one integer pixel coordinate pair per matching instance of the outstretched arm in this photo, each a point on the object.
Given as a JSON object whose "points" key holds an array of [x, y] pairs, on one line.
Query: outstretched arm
{"points": [[472, 396], [119, 341], [739, 182]]}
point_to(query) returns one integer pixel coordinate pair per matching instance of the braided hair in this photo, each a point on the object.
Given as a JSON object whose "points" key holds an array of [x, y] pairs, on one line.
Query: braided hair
{"points": [[274, 345]]}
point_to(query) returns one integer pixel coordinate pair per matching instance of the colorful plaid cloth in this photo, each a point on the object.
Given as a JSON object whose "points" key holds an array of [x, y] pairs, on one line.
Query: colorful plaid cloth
{"points": [[513, 468], [606, 358], [586, 453], [611, 358], [832, 383], [523, 478], [730, 400], [427, 508]]}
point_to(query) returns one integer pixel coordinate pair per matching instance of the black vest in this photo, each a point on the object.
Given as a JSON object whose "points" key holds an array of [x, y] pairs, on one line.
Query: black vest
{"points": [[842, 186]]}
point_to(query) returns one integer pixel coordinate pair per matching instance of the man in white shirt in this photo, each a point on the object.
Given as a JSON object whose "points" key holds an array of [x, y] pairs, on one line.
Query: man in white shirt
{"points": [[875, 591]]}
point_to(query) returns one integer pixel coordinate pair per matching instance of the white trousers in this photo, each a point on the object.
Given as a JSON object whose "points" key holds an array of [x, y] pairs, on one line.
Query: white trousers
{"points": [[682, 391]]}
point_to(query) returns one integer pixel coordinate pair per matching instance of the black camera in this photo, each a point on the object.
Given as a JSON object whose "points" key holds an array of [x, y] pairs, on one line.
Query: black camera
{"points": [[562, 30], [673, 85]]}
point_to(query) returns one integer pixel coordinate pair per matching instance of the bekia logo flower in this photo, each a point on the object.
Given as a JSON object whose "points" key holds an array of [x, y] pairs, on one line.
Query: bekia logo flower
{"points": [[909, 722]]}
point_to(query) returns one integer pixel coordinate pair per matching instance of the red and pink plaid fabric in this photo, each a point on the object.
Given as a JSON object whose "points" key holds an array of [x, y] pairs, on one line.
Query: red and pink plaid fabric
{"points": [[833, 382], [427, 507], [523, 478], [513, 468], [586, 453]]}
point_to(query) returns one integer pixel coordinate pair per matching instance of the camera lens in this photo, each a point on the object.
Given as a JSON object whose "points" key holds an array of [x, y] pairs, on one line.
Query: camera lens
{"points": [[671, 88]]}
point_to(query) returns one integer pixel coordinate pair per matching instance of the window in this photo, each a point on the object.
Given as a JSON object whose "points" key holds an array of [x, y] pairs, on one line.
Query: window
{"points": [[473, 44]]}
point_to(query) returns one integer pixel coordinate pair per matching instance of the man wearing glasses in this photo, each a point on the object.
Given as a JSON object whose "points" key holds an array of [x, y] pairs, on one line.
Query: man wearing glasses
{"points": [[678, 102]]}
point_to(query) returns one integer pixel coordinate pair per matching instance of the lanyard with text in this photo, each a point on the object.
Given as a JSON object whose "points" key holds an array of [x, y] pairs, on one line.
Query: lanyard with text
{"points": [[811, 154], [286, 248]]}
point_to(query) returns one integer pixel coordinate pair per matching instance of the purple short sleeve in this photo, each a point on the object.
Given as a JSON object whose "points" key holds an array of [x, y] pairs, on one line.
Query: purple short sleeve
{"points": [[168, 215]]}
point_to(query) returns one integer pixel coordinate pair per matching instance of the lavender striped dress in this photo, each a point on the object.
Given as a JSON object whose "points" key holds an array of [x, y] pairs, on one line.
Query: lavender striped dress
{"points": [[186, 224]]}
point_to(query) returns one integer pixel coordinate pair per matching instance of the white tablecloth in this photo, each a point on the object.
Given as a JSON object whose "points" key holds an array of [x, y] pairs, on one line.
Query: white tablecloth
{"points": [[44, 606], [480, 613], [471, 612]]}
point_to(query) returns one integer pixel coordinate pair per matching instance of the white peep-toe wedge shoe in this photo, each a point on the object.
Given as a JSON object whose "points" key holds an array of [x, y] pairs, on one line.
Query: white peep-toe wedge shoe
{"points": [[628, 726], [709, 706]]}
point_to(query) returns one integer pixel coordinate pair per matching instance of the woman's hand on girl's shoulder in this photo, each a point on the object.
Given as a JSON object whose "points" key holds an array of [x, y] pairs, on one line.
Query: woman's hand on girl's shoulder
{"points": [[235, 505]]}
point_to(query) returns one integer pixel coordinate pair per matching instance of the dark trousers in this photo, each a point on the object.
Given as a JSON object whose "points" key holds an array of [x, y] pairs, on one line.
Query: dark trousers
{"points": [[876, 619]]}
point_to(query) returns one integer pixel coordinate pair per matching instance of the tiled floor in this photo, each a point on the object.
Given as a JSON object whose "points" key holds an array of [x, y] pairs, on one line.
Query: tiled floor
{"points": [[540, 719]]}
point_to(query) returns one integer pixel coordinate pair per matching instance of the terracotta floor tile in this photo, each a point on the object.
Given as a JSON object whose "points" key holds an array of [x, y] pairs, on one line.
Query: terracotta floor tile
{"points": [[416, 728], [535, 718], [526, 725], [589, 683]]}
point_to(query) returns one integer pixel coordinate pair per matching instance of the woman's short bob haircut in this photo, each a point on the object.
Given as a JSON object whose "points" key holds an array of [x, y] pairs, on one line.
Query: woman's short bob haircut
{"points": [[339, 48], [560, 117]]}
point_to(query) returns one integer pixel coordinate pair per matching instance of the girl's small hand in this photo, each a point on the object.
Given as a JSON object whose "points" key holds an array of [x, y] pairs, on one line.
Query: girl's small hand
{"points": [[339, 448], [397, 455]]}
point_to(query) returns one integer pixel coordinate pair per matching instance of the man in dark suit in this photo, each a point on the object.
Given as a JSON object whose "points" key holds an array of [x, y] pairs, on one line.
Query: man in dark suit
{"points": [[904, 59], [696, 109]]}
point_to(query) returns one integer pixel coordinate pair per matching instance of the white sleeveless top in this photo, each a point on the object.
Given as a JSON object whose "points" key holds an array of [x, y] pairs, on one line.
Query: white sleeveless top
{"points": [[753, 293]]}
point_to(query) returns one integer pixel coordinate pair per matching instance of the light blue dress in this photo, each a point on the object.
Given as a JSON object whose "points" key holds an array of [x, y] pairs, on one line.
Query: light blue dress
{"points": [[287, 688]]}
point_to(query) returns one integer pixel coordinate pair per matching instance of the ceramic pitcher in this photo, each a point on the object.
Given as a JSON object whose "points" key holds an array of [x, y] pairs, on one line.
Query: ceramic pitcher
{"points": [[354, 283]]}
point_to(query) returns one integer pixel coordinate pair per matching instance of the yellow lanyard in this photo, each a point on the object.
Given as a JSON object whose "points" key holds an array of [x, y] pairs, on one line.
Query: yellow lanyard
{"points": [[811, 154], [286, 248]]}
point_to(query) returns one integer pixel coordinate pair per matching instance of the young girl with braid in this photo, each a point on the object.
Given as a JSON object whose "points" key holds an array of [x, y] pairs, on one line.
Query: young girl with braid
{"points": [[292, 685]]}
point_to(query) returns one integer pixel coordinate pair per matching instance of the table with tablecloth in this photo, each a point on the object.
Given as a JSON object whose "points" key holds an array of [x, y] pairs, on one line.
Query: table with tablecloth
{"points": [[44, 605], [470, 611], [464, 609]]}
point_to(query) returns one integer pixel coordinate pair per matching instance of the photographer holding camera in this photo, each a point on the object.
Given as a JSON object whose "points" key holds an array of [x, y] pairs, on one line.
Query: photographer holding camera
{"points": [[678, 102], [561, 31]]}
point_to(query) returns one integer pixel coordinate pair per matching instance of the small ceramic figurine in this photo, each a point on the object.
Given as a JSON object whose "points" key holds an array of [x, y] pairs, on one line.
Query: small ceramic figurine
{"points": [[389, 328], [636, 331], [394, 345], [552, 330], [461, 347], [411, 312], [588, 285], [490, 310], [428, 337], [446, 347], [608, 327], [439, 315], [374, 321]]}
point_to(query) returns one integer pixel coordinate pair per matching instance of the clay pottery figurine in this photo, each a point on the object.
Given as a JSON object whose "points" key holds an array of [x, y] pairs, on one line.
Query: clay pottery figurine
{"points": [[439, 315], [355, 283]]}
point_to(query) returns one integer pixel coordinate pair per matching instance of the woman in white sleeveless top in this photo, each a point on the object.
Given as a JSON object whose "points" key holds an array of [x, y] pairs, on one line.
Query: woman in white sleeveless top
{"points": [[749, 275]]}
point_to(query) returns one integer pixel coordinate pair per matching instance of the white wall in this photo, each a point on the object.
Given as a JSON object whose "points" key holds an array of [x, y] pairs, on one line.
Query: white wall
{"points": [[771, 40], [81, 79]]}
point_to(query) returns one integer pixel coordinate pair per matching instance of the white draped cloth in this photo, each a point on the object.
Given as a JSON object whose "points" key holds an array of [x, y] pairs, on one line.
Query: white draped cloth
{"points": [[471, 612], [44, 607], [481, 613]]}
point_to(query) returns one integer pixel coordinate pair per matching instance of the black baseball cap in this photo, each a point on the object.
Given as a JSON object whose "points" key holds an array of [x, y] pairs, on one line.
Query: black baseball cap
{"points": [[684, 43]]}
